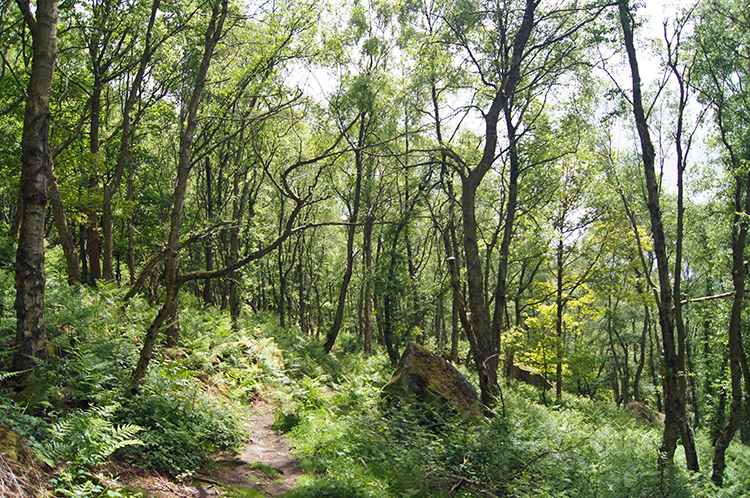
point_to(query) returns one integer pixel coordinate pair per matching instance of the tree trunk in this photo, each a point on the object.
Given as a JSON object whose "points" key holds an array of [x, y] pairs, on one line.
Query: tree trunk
{"points": [[642, 357], [63, 231], [739, 273], [131, 228], [499, 324], [351, 230], [213, 33], [208, 293], [31, 325], [367, 249], [676, 423], [745, 433], [559, 315], [124, 156], [483, 338], [92, 232]]}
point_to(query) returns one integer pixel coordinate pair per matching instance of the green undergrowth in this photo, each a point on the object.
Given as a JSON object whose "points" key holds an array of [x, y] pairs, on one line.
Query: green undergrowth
{"points": [[80, 415], [355, 443]]}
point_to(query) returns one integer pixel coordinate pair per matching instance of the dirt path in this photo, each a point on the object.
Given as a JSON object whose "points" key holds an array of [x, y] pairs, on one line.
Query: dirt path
{"points": [[264, 467]]}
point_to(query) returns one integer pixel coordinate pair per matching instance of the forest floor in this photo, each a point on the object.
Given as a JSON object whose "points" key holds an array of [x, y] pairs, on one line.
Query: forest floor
{"points": [[264, 467]]}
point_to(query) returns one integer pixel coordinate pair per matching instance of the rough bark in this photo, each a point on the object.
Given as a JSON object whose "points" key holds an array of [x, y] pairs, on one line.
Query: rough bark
{"points": [[31, 325], [739, 274], [485, 343]]}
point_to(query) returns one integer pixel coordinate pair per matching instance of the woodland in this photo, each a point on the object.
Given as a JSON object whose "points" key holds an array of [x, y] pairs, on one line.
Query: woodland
{"points": [[206, 204]]}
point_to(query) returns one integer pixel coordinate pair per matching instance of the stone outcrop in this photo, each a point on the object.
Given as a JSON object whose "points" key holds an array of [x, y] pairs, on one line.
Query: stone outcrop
{"points": [[644, 413], [528, 375], [424, 376]]}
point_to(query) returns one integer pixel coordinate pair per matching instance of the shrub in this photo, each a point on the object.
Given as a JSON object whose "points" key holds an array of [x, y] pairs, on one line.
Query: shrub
{"points": [[182, 426]]}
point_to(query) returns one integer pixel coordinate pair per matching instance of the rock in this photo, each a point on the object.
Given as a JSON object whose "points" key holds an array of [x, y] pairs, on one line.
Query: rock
{"points": [[644, 413], [425, 376], [530, 376], [11, 446]]}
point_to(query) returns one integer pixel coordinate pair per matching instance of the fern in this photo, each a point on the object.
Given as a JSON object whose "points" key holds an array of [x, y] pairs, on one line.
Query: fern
{"points": [[90, 437], [7, 375]]}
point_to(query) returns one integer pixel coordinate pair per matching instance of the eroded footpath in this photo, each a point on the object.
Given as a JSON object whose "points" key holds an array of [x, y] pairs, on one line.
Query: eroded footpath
{"points": [[264, 467]]}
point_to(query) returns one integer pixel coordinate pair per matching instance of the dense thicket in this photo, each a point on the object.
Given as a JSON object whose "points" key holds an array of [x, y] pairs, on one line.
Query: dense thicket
{"points": [[515, 182]]}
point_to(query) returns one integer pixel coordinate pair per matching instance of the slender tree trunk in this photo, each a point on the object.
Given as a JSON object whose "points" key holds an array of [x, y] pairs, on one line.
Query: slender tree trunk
{"points": [[92, 236], [690, 362], [92, 232], [131, 229], [61, 223], [745, 433], [367, 249], [484, 339], [739, 273], [458, 308], [281, 299], [450, 245], [499, 323], [351, 230], [559, 304], [213, 33], [676, 423], [642, 351], [31, 324], [82, 251], [388, 331], [615, 382], [124, 155], [208, 292]]}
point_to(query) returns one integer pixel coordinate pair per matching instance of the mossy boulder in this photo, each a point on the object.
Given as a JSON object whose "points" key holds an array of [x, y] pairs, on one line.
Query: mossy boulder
{"points": [[426, 377], [644, 413], [11, 446]]}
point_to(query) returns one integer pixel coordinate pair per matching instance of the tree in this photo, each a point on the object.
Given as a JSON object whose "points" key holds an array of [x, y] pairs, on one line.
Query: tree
{"points": [[516, 52], [31, 338], [676, 422], [362, 96], [212, 35], [720, 43]]}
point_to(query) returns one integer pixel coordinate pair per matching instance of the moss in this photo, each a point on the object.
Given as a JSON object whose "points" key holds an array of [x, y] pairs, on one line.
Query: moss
{"points": [[11, 447], [425, 376]]}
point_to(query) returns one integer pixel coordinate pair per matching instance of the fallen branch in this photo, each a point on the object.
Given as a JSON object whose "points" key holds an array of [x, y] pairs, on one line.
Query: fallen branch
{"points": [[217, 483]]}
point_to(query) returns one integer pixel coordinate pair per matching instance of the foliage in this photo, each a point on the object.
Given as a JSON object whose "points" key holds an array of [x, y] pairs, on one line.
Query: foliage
{"points": [[357, 444], [87, 438], [386, 103], [80, 416], [84, 440], [182, 427]]}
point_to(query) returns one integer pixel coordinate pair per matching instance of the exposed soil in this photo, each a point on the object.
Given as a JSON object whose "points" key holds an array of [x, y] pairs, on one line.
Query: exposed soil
{"points": [[264, 467]]}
